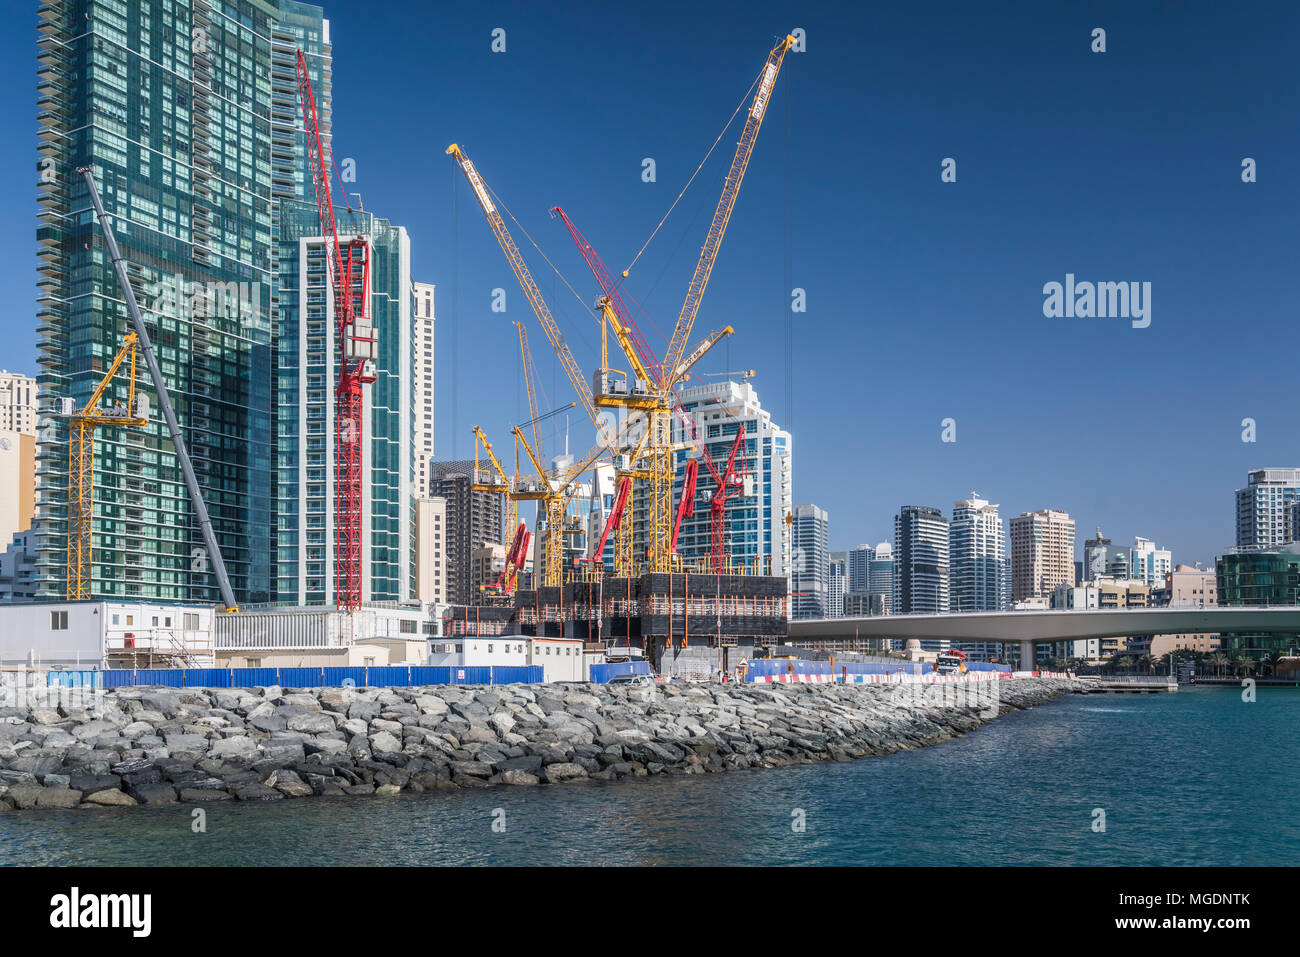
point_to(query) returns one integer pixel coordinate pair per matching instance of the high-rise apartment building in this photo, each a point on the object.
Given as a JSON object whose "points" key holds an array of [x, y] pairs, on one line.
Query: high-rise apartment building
{"points": [[880, 578], [977, 557], [422, 365], [17, 403], [859, 568], [1042, 553], [189, 115], [837, 584], [1148, 563], [1263, 507], [473, 518], [170, 105], [431, 550], [921, 561], [1096, 556], [757, 535], [17, 484], [809, 586]]}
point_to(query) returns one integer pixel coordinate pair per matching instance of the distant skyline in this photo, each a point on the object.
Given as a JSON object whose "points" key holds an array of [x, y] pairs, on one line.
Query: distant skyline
{"points": [[925, 299]]}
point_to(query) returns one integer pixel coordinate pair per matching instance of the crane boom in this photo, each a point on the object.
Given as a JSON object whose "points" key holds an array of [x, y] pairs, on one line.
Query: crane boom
{"points": [[726, 203], [526, 282], [610, 288], [164, 398]]}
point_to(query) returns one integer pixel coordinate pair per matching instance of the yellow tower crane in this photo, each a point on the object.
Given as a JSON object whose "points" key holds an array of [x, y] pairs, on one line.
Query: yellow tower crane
{"points": [[653, 392], [81, 463]]}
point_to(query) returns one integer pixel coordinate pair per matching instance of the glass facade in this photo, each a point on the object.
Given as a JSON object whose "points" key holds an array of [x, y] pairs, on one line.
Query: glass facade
{"points": [[169, 103], [1252, 576], [189, 113]]}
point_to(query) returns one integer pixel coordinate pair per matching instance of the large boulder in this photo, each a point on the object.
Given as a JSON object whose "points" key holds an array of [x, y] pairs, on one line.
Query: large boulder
{"points": [[111, 798], [238, 747], [58, 797]]}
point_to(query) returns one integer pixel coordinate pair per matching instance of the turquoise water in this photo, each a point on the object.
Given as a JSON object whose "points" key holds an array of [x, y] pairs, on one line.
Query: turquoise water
{"points": [[1197, 777]]}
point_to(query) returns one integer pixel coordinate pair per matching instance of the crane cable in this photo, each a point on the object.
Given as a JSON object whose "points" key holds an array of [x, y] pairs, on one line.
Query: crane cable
{"points": [[742, 102]]}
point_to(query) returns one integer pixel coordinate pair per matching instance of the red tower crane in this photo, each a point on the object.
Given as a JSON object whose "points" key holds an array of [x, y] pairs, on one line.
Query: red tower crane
{"points": [[349, 268]]}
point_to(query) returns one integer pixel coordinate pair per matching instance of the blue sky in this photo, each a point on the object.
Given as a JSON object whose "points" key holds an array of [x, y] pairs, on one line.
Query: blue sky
{"points": [[924, 299]]}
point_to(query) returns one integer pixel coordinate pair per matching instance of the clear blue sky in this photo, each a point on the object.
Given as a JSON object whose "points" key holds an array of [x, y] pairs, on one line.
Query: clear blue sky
{"points": [[924, 298]]}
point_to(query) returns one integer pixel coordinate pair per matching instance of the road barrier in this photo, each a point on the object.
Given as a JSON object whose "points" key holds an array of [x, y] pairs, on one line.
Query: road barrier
{"points": [[391, 676]]}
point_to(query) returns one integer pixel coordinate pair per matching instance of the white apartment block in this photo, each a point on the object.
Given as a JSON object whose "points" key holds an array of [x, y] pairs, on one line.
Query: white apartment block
{"points": [[422, 375], [1263, 507], [431, 550], [757, 535], [1148, 563], [17, 403]]}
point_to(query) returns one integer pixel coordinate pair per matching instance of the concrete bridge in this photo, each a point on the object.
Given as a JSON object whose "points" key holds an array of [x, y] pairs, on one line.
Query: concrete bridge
{"points": [[1029, 628]]}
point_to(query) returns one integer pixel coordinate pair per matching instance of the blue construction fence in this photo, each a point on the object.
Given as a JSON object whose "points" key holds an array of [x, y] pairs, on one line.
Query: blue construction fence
{"points": [[600, 674], [765, 667], [392, 676]]}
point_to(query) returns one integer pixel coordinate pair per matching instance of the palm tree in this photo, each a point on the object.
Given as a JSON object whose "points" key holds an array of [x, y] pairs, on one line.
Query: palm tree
{"points": [[1218, 661], [1127, 662], [1148, 662]]}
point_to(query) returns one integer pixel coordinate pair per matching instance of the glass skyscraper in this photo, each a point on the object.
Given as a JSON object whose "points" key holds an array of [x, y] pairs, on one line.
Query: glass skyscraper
{"points": [[979, 567], [189, 115]]}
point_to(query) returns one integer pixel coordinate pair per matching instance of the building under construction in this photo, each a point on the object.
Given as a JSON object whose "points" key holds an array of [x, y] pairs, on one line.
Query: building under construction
{"points": [[681, 622]]}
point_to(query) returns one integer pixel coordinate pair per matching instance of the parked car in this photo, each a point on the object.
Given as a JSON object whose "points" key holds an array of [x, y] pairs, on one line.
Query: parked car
{"points": [[632, 680]]}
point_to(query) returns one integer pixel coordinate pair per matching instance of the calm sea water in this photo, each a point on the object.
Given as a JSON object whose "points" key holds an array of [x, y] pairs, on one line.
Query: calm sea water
{"points": [[1197, 777]]}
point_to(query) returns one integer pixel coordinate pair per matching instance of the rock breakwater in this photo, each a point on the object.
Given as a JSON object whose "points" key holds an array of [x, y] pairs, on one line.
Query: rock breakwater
{"points": [[142, 746]]}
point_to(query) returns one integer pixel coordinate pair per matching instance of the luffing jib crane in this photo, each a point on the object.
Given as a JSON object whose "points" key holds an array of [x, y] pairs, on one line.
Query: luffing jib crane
{"points": [[663, 377], [349, 268]]}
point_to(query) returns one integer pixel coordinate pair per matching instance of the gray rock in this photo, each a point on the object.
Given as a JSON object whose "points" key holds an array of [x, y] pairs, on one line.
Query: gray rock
{"points": [[384, 742], [311, 723], [153, 793], [258, 792], [233, 747], [519, 777], [564, 771], [203, 795], [58, 797]]}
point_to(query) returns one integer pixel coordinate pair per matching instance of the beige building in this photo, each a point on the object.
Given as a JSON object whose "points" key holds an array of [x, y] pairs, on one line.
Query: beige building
{"points": [[422, 357], [17, 483], [1188, 587], [17, 403], [431, 550], [1042, 553], [486, 564]]}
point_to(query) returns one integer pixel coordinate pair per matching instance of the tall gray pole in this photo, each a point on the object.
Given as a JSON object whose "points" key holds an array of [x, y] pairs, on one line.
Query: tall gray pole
{"points": [[164, 401]]}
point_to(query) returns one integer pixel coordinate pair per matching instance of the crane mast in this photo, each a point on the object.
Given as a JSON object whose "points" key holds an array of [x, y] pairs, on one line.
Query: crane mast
{"points": [[349, 268]]}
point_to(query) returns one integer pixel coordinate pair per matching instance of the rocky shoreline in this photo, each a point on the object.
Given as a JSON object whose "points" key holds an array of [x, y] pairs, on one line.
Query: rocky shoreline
{"points": [[133, 746]]}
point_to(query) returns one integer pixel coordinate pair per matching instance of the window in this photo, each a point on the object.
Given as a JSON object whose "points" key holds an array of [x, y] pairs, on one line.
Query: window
{"points": [[130, 619], [155, 621], [254, 662], [489, 649], [58, 621], [115, 617], [368, 662], [191, 621]]}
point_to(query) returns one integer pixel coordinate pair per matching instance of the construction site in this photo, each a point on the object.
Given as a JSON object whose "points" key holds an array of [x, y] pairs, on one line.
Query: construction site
{"points": [[627, 591], [686, 618]]}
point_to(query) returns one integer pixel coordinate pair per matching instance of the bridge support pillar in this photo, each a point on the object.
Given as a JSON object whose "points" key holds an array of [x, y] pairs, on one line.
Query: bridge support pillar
{"points": [[1026, 656]]}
